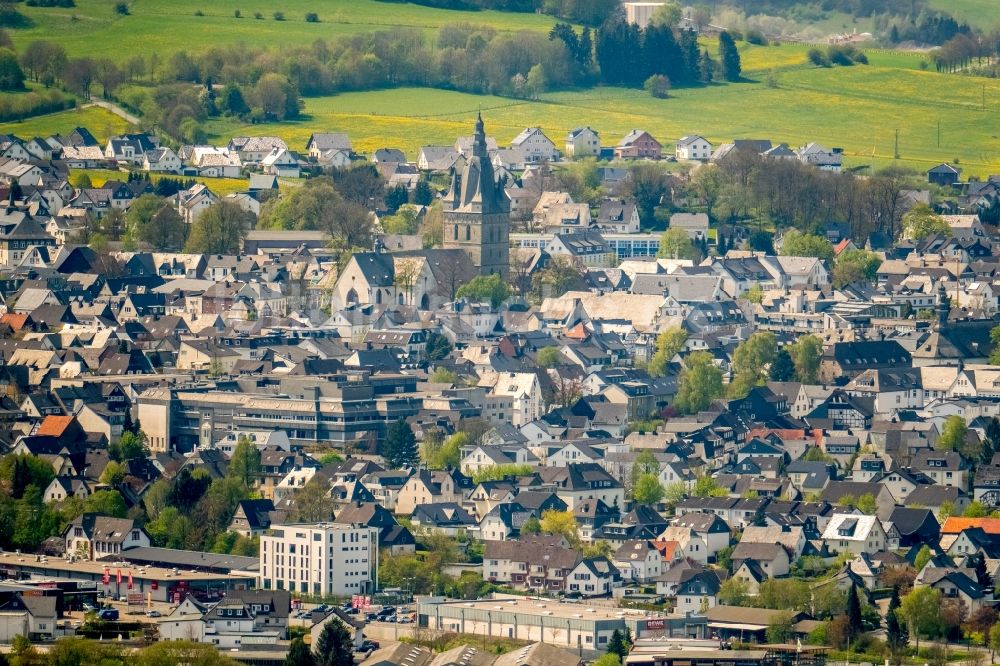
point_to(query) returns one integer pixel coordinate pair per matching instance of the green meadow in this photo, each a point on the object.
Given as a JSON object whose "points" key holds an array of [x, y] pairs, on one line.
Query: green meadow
{"points": [[221, 186], [938, 117], [101, 123], [983, 14], [92, 28]]}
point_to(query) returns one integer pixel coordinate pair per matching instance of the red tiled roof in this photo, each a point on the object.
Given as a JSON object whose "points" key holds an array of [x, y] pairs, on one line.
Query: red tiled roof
{"points": [[841, 246], [957, 525], [15, 320], [54, 426], [666, 548]]}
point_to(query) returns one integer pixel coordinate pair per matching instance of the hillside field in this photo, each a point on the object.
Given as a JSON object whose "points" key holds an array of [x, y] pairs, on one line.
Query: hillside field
{"points": [[101, 123], [92, 28], [857, 108], [983, 14], [784, 98]]}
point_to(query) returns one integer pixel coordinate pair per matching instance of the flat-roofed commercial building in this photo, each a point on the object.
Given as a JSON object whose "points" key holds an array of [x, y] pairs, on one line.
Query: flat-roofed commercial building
{"points": [[568, 625], [159, 583], [347, 408]]}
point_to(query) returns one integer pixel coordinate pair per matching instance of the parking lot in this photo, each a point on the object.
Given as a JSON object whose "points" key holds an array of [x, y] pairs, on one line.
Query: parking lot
{"points": [[405, 614]]}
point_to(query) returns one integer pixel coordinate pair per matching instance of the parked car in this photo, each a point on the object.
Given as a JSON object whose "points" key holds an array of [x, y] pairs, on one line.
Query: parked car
{"points": [[108, 614], [153, 613]]}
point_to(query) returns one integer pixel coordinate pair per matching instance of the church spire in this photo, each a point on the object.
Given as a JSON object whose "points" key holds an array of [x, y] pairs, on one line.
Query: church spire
{"points": [[479, 138]]}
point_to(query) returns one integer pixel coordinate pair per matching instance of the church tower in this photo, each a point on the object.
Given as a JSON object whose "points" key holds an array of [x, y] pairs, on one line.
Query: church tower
{"points": [[477, 211]]}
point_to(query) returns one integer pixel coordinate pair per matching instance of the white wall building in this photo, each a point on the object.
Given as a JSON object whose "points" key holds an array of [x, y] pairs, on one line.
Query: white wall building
{"points": [[693, 148], [318, 559], [639, 13]]}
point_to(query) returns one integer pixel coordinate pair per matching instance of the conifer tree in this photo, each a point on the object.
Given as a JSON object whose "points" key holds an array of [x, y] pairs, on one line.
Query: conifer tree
{"points": [[854, 611], [333, 647], [400, 447], [730, 57]]}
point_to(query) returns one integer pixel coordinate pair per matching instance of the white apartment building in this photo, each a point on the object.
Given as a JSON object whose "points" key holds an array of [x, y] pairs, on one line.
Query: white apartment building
{"points": [[319, 559], [640, 13]]}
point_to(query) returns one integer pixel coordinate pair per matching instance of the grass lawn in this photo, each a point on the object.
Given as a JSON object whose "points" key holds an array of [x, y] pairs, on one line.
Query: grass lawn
{"points": [[856, 108], [983, 14], [101, 123], [93, 28], [221, 186]]}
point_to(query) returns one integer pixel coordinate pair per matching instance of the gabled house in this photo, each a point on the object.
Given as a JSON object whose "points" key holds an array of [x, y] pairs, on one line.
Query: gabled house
{"points": [[697, 593], [849, 359], [579, 482], [512, 397], [547, 564], [638, 144], [161, 160], [855, 534], [693, 147], [95, 537], [713, 530], [946, 468], [583, 142], [427, 487], [959, 585], [32, 617], [535, 146], [325, 143], [281, 163], [638, 561], [772, 558], [252, 517], [945, 175], [618, 215]]}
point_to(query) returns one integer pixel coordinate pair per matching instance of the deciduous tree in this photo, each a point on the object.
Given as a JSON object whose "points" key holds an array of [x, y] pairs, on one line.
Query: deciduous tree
{"points": [[648, 489], [855, 266], [699, 384], [751, 361], [921, 222], [921, 608], [244, 464], [676, 244], [806, 353], [490, 288], [798, 244], [952, 434], [561, 523], [219, 229]]}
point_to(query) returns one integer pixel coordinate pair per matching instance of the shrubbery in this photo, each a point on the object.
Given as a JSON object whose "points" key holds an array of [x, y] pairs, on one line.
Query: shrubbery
{"points": [[18, 107]]}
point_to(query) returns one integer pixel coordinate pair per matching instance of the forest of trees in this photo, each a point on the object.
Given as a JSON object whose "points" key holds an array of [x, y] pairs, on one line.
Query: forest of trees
{"points": [[746, 185], [629, 55], [179, 93], [592, 12], [191, 510]]}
